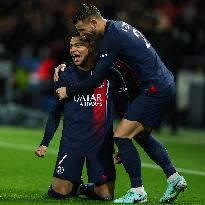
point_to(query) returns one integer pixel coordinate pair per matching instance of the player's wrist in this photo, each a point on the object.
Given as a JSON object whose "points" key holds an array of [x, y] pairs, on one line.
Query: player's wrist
{"points": [[45, 142], [43, 146]]}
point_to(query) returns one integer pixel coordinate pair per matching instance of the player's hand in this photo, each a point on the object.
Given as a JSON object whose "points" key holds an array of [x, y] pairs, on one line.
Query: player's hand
{"points": [[61, 92], [58, 69], [41, 151], [118, 160]]}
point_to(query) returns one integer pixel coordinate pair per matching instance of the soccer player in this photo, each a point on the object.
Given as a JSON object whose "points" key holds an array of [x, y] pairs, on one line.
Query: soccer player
{"points": [[87, 132], [157, 90]]}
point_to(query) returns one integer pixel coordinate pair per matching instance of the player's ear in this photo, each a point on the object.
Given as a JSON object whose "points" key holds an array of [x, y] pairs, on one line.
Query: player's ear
{"points": [[93, 23]]}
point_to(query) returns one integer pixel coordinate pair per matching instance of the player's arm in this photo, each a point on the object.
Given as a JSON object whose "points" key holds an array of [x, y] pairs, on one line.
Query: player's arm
{"points": [[120, 97], [120, 93], [51, 127], [52, 123]]}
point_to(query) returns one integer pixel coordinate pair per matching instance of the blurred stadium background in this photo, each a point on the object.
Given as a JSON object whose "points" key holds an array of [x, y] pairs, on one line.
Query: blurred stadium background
{"points": [[34, 39]]}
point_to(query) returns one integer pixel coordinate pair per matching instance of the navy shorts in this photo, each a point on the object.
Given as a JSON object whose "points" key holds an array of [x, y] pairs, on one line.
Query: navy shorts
{"points": [[100, 169], [148, 108]]}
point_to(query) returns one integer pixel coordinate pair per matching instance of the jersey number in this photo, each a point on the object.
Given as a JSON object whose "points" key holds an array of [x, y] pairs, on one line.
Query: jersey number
{"points": [[138, 33], [126, 27]]}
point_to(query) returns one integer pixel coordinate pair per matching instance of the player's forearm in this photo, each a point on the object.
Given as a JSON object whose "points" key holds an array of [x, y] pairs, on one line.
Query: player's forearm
{"points": [[46, 139], [50, 129], [85, 86]]}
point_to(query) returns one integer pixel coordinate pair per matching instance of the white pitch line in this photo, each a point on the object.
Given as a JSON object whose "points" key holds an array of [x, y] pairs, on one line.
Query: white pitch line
{"points": [[186, 171], [55, 151], [24, 147]]}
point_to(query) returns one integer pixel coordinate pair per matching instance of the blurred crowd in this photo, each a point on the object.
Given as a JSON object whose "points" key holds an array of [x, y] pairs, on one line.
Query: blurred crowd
{"points": [[34, 37]]}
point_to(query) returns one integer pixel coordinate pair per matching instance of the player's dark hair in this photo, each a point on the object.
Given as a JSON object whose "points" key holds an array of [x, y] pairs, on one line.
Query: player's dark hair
{"points": [[85, 11], [77, 34]]}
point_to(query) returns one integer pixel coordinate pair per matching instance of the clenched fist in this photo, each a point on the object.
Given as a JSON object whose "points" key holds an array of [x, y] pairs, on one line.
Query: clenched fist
{"points": [[41, 151], [61, 92]]}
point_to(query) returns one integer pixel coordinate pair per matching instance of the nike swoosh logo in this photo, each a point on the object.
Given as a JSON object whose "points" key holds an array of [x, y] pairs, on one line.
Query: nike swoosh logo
{"points": [[105, 176]]}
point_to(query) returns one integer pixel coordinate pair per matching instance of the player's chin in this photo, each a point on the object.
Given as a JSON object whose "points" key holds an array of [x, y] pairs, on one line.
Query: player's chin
{"points": [[78, 63]]}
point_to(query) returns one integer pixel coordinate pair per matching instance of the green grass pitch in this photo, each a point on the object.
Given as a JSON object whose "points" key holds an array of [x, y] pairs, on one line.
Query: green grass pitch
{"points": [[24, 178]]}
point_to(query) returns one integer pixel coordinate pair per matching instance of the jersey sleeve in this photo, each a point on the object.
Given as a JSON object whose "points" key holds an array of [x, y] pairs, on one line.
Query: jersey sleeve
{"points": [[53, 121], [120, 93], [109, 50], [54, 116]]}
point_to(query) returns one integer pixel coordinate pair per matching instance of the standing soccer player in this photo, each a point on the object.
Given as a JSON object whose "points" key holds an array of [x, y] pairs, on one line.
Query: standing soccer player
{"points": [[157, 90], [87, 132]]}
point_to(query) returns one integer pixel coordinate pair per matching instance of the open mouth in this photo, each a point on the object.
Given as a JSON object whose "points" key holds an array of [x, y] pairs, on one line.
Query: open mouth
{"points": [[75, 57]]}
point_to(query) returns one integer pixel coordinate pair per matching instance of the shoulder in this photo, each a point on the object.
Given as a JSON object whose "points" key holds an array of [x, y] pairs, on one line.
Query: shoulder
{"points": [[66, 77], [70, 70], [111, 34], [115, 25], [112, 26], [113, 31]]}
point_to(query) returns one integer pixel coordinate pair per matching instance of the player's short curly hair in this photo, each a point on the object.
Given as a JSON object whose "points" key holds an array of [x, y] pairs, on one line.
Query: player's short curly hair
{"points": [[85, 11]]}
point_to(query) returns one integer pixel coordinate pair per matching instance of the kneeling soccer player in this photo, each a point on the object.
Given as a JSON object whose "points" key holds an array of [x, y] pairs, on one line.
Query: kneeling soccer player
{"points": [[87, 132]]}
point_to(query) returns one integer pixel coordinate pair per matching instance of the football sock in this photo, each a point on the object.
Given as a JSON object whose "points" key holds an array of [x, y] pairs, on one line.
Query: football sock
{"points": [[173, 177], [88, 190], [157, 152], [56, 195], [130, 160], [139, 190]]}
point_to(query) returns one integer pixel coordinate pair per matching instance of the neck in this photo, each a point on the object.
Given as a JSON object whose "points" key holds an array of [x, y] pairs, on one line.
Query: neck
{"points": [[102, 25], [87, 65]]}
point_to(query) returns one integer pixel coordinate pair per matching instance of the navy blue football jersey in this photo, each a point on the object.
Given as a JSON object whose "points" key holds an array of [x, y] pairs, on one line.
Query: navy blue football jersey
{"points": [[123, 42], [88, 118]]}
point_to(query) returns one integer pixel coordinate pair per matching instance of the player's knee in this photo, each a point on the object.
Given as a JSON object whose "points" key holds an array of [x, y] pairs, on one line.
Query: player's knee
{"points": [[63, 187], [128, 129], [55, 195], [105, 191]]}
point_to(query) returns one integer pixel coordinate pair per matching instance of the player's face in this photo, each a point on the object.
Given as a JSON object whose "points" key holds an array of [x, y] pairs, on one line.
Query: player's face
{"points": [[79, 51], [87, 29]]}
